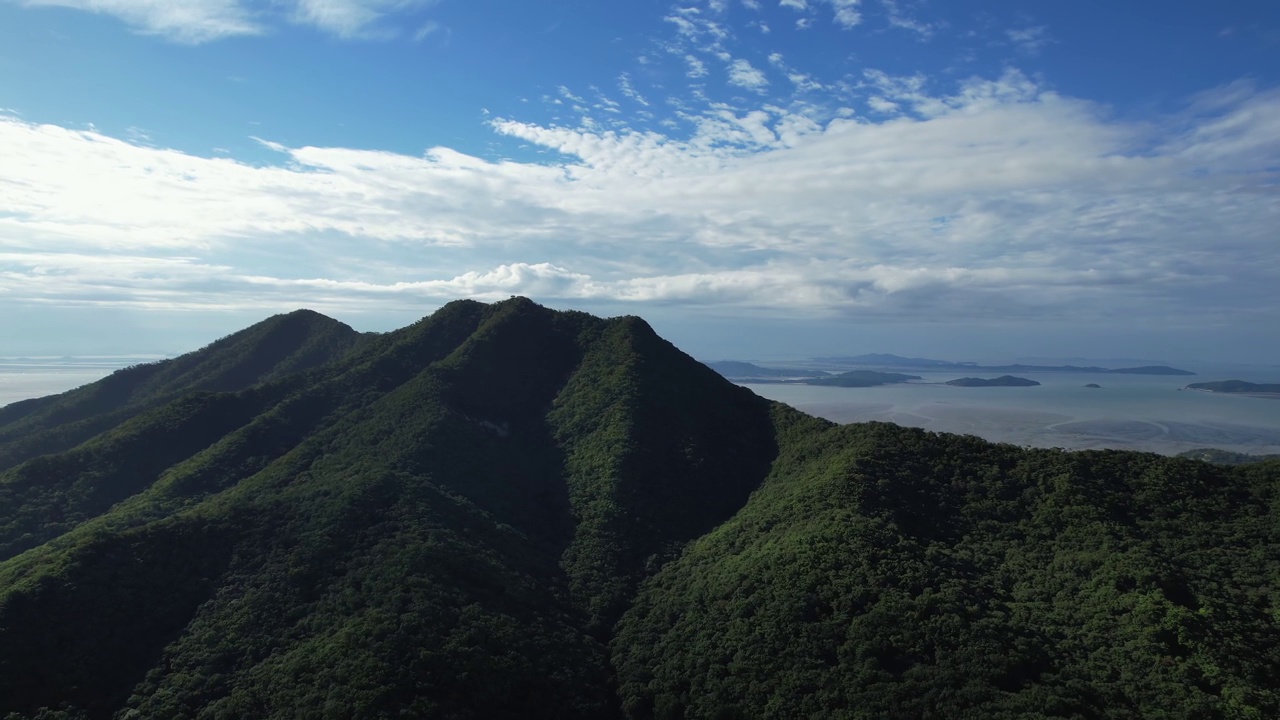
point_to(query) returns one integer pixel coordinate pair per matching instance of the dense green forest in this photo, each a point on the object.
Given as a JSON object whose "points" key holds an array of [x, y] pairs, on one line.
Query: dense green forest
{"points": [[504, 511]]}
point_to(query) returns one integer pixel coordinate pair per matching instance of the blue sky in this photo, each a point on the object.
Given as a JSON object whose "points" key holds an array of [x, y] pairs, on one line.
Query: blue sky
{"points": [[759, 179]]}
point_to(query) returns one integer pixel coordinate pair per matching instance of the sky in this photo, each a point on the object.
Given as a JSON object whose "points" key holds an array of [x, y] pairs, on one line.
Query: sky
{"points": [[760, 179]]}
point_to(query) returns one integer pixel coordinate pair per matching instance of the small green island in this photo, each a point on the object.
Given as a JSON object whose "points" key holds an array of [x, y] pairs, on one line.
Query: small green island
{"points": [[1002, 381], [1094, 386], [1237, 386]]}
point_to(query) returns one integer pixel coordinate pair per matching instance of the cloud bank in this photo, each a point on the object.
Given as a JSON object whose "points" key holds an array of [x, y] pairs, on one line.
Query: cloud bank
{"points": [[998, 200]]}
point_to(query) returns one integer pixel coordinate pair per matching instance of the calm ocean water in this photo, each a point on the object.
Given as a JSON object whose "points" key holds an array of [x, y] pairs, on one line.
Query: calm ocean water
{"points": [[1136, 412], [21, 379]]}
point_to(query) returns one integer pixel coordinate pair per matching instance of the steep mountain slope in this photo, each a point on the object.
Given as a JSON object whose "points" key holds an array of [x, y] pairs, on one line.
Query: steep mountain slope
{"points": [[886, 572], [506, 511], [448, 521], [272, 349]]}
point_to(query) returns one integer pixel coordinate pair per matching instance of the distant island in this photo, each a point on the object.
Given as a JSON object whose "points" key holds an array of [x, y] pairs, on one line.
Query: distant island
{"points": [[861, 378], [897, 361], [889, 360], [1225, 457], [747, 372], [1237, 386], [1002, 381], [1095, 386], [736, 370], [1150, 370]]}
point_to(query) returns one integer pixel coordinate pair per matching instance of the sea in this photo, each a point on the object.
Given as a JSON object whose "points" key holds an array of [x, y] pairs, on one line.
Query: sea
{"points": [[22, 378], [1135, 412], [1151, 413]]}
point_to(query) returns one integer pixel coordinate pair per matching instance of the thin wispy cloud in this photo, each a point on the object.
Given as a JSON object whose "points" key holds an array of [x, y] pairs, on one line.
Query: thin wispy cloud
{"points": [[201, 21], [353, 18], [1029, 40], [900, 17], [628, 89], [696, 68], [193, 21]]}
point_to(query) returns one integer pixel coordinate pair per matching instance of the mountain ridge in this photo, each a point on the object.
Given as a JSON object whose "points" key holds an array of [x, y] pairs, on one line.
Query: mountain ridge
{"points": [[508, 511]]}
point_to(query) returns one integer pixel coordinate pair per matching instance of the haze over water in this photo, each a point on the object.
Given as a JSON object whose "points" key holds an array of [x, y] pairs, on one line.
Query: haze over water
{"points": [[24, 378], [1135, 412]]}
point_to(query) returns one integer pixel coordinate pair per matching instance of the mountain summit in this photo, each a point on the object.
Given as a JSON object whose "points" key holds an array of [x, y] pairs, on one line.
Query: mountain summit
{"points": [[507, 511]]}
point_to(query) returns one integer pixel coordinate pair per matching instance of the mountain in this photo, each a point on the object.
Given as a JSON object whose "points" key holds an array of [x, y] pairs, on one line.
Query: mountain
{"points": [[886, 572], [272, 349], [1002, 381], [889, 360], [504, 511], [737, 370], [1236, 386], [1225, 457], [862, 378], [1151, 370]]}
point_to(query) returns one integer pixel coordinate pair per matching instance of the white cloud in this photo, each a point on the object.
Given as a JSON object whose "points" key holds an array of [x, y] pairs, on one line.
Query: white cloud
{"points": [[846, 12], [200, 21], [185, 21], [628, 89], [696, 68], [351, 18], [899, 18], [742, 74], [1029, 40], [996, 199], [428, 28]]}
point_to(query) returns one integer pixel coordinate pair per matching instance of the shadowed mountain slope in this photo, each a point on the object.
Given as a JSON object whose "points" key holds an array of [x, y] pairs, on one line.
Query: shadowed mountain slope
{"points": [[272, 349], [504, 511], [490, 484]]}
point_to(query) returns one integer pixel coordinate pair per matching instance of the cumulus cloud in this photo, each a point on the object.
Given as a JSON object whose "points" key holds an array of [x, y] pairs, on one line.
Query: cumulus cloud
{"points": [[743, 74], [696, 68], [995, 198]]}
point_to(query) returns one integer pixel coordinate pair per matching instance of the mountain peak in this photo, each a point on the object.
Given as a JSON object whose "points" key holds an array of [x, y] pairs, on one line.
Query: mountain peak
{"points": [[509, 511]]}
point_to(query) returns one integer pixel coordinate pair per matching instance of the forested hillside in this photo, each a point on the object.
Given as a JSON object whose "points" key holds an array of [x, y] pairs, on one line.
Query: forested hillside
{"points": [[506, 511]]}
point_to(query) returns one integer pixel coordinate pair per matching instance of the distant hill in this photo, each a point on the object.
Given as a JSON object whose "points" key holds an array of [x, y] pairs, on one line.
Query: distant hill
{"points": [[883, 360], [278, 347], [1151, 370], [1236, 386], [888, 360], [862, 378], [736, 370], [1002, 381], [1226, 457], [505, 511]]}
